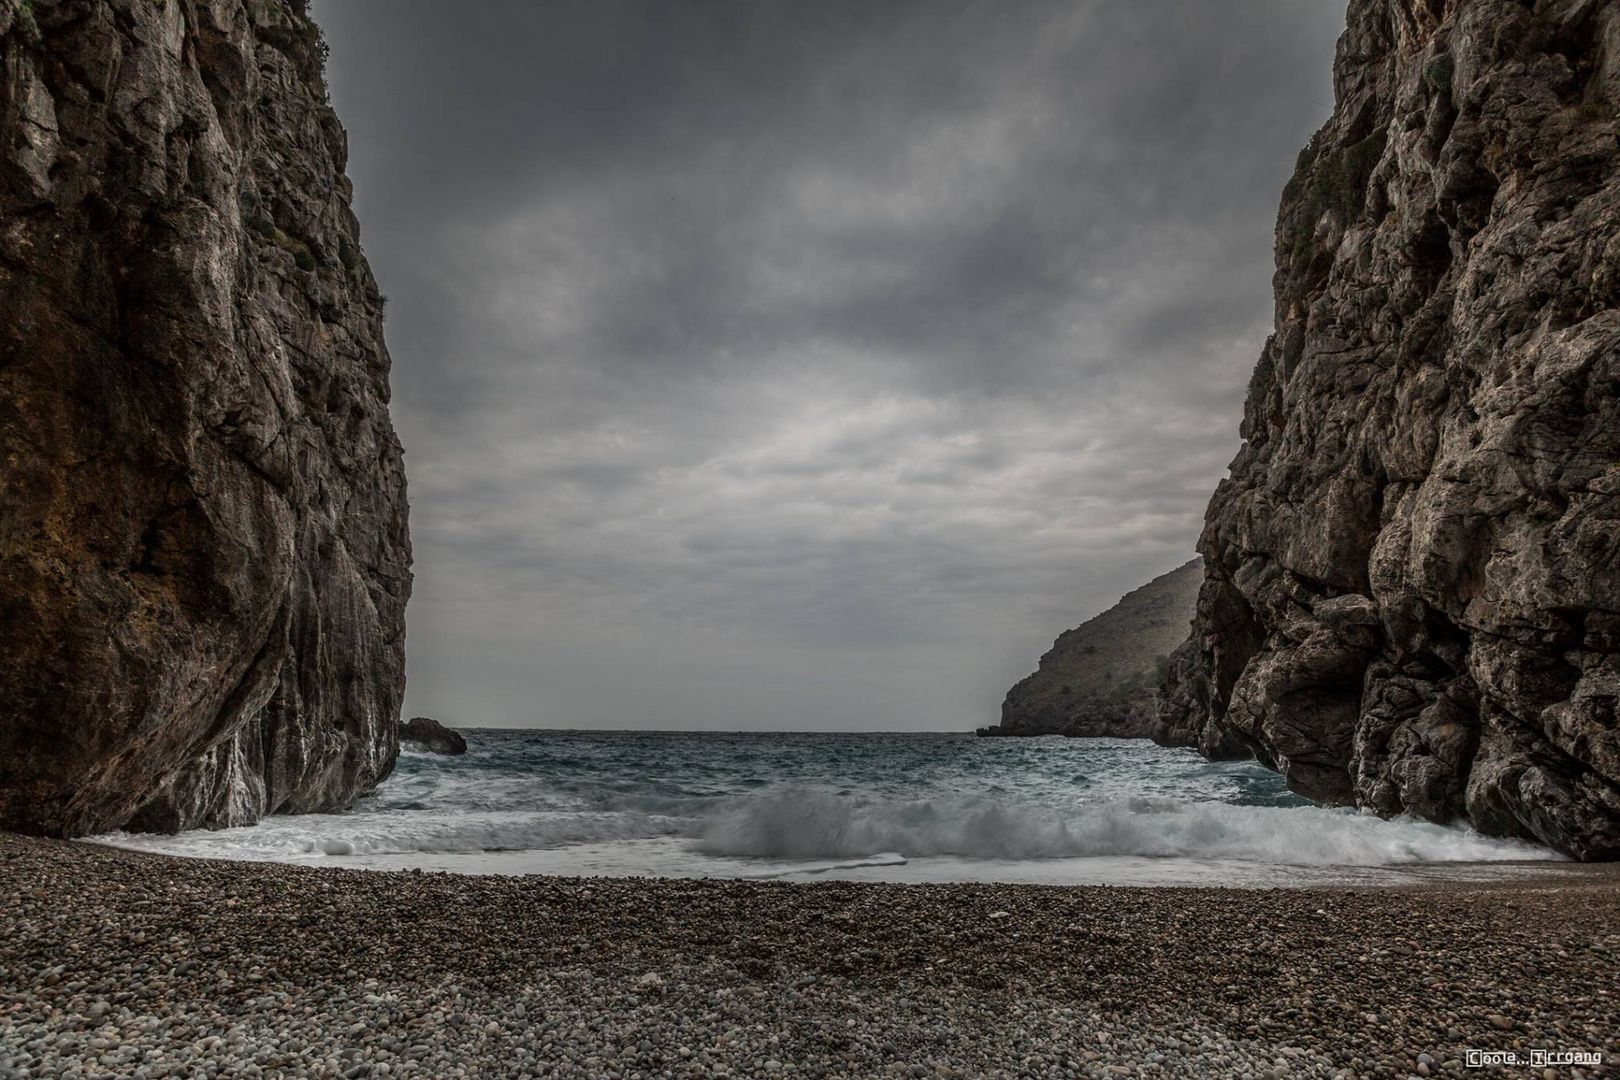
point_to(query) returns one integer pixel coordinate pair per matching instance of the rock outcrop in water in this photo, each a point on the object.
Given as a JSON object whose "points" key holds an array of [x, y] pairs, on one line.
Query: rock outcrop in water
{"points": [[1102, 677], [203, 561], [425, 733], [1412, 600]]}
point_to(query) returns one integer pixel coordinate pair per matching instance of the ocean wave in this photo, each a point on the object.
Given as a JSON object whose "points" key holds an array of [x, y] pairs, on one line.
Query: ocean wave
{"points": [[714, 803], [802, 824]]}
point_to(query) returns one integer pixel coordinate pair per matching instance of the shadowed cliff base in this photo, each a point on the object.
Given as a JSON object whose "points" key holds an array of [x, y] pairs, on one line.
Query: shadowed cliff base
{"points": [[1412, 598], [205, 564]]}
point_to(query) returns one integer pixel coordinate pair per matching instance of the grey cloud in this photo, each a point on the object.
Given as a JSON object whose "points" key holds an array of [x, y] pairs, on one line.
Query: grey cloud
{"points": [[845, 347]]}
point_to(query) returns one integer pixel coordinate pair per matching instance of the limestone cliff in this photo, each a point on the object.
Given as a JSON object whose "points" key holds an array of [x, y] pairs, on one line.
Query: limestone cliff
{"points": [[1102, 677], [1412, 600], [203, 557]]}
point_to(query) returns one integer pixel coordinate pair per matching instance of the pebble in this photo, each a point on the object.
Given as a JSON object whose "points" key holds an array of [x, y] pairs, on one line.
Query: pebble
{"points": [[112, 965]]}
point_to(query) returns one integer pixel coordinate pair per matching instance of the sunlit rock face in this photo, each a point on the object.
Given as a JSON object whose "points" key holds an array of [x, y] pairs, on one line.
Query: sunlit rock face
{"points": [[1412, 600], [204, 560]]}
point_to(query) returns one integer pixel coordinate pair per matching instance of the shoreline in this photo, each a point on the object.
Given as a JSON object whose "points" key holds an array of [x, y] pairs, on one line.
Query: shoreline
{"points": [[1517, 874], [1165, 872], [127, 963]]}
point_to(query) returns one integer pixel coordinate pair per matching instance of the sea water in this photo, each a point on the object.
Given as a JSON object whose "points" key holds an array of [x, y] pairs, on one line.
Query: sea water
{"points": [[894, 807]]}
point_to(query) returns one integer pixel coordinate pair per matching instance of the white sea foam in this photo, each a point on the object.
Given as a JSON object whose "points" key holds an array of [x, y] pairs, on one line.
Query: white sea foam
{"points": [[300, 837], [882, 859], [798, 824], [807, 826]]}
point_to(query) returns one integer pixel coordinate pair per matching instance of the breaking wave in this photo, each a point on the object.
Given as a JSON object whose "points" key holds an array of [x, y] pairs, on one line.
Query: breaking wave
{"points": [[799, 824], [796, 824]]}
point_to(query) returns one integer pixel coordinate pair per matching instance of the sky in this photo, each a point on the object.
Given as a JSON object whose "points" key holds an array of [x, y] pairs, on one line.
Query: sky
{"points": [[789, 366]]}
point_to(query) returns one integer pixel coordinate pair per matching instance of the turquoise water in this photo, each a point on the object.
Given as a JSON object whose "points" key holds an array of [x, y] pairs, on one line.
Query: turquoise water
{"points": [[898, 807]]}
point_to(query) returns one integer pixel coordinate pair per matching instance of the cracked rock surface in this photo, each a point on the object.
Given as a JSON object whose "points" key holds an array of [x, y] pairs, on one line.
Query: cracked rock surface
{"points": [[1412, 600], [204, 560]]}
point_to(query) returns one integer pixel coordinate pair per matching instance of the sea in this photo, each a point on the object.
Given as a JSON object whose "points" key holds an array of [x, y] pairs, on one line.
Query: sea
{"points": [[870, 807]]}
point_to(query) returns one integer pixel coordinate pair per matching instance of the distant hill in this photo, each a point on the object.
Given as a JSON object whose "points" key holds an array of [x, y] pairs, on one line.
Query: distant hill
{"points": [[1102, 677]]}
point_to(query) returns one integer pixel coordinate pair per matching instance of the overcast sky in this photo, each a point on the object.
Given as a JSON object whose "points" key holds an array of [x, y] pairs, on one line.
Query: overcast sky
{"points": [[807, 365]]}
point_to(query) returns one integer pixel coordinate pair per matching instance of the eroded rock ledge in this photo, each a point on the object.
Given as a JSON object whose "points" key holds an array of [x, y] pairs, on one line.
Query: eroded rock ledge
{"points": [[1412, 600], [204, 561]]}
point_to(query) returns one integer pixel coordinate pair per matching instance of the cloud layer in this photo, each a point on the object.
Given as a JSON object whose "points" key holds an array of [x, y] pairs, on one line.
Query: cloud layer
{"points": [[770, 365]]}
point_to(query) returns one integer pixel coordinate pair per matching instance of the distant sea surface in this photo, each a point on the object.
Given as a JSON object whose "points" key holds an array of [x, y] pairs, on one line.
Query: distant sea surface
{"points": [[908, 807]]}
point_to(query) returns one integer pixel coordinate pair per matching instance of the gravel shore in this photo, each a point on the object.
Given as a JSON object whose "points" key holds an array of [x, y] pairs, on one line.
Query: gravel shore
{"points": [[119, 964]]}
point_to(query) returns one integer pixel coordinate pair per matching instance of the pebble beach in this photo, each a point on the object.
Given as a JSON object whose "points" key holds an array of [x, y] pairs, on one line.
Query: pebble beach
{"points": [[123, 964]]}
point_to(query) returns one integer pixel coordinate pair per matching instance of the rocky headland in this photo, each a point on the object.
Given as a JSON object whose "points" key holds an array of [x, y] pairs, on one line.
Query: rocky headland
{"points": [[204, 561], [1102, 678], [1412, 589]]}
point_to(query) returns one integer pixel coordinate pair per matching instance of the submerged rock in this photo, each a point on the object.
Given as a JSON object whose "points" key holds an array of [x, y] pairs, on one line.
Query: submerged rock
{"points": [[1412, 597], [204, 563], [424, 733], [1102, 677]]}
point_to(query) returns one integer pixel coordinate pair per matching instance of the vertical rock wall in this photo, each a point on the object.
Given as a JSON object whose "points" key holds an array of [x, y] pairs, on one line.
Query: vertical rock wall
{"points": [[204, 561], [1413, 592]]}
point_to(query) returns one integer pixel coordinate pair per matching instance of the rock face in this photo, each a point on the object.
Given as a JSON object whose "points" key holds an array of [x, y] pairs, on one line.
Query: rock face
{"points": [[1102, 677], [425, 733], [1412, 600], [203, 556]]}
